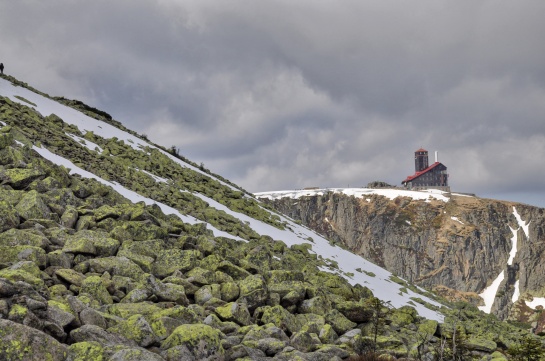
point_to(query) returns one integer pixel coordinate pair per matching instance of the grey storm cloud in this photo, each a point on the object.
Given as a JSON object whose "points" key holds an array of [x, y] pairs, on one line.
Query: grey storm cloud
{"points": [[288, 94]]}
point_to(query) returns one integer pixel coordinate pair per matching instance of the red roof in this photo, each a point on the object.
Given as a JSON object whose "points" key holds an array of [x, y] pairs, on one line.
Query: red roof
{"points": [[420, 150], [418, 174]]}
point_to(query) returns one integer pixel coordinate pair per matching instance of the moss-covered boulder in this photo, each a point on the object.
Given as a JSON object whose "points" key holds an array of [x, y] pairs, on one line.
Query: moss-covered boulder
{"points": [[355, 311], [91, 242], [169, 261], [143, 231], [280, 317], [19, 178], [24, 271], [10, 217], [95, 286], [232, 270], [126, 310], [23, 343], [202, 340], [339, 322], [316, 305], [254, 290], [116, 266], [403, 316], [477, 343], [136, 328], [70, 276], [165, 321], [229, 291], [11, 254], [5, 140], [235, 312], [83, 351], [304, 341]]}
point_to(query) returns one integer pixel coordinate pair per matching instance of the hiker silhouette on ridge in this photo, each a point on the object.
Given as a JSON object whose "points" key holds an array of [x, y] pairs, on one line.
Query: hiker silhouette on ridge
{"points": [[2, 68]]}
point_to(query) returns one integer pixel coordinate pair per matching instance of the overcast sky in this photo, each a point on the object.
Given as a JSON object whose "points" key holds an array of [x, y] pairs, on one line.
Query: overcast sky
{"points": [[290, 94]]}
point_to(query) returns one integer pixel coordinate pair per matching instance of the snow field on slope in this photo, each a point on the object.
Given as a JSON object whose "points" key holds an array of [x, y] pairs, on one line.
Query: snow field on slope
{"points": [[380, 284]]}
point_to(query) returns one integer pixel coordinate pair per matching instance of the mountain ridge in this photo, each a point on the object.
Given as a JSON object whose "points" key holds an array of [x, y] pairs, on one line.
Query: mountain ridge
{"points": [[431, 223]]}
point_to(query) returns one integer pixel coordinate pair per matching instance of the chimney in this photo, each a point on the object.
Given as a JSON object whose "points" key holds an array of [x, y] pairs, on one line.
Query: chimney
{"points": [[436, 156]]}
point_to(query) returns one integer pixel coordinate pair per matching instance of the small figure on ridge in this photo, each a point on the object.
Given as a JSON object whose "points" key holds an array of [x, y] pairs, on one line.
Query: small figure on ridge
{"points": [[2, 68]]}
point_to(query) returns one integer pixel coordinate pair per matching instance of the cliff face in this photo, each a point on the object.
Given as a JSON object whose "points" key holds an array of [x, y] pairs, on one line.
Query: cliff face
{"points": [[457, 247]]}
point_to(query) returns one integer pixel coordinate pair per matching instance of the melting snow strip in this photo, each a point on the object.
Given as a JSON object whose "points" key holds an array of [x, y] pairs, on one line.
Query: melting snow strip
{"points": [[489, 293]]}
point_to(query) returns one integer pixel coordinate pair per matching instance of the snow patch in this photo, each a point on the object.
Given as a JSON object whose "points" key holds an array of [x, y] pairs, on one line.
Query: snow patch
{"points": [[489, 293], [513, 251], [525, 226], [516, 294], [88, 144], [456, 219], [538, 301]]}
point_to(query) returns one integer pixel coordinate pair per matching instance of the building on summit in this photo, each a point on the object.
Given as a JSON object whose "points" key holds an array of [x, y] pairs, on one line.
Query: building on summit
{"points": [[427, 176]]}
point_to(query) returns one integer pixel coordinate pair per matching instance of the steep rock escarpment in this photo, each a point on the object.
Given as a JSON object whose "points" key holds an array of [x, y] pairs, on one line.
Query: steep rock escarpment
{"points": [[457, 247]]}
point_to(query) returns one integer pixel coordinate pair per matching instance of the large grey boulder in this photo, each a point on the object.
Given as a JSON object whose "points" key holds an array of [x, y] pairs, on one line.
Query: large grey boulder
{"points": [[23, 343]]}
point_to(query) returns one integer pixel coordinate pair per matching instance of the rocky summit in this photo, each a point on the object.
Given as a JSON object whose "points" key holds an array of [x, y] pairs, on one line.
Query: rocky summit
{"points": [[115, 248]]}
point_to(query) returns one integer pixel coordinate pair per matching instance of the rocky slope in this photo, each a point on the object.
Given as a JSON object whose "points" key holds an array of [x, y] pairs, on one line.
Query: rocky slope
{"points": [[112, 248], [456, 244]]}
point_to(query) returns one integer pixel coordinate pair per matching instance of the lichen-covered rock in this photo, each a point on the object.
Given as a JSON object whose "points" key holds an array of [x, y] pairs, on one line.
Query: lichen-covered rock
{"points": [[236, 312], [206, 293], [59, 316], [339, 322], [280, 317], [10, 254], [229, 291], [125, 310], [304, 341], [254, 290], [70, 276], [355, 311], [316, 305], [404, 315], [117, 266], [167, 292], [481, 344], [143, 231], [91, 242], [135, 328], [92, 333], [202, 340], [19, 178], [328, 335], [70, 217], [23, 343], [84, 351], [165, 321], [10, 217], [23, 271], [135, 354], [95, 286], [5, 140], [200, 276], [169, 261], [21, 237], [232, 270]]}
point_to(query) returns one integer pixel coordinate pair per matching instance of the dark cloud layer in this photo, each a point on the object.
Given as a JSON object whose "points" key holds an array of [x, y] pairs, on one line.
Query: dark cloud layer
{"points": [[284, 94]]}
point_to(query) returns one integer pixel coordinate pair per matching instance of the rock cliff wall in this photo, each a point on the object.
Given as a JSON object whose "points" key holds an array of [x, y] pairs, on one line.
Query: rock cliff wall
{"points": [[458, 247]]}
